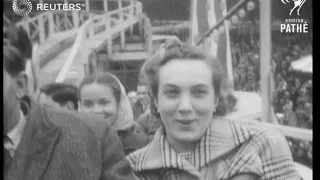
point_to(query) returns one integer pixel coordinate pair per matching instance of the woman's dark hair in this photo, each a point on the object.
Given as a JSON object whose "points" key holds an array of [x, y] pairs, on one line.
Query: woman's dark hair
{"points": [[67, 94], [174, 49], [17, 49], [52, 88], [61, 93], [102, 79], [19, 38], [13, 61]]}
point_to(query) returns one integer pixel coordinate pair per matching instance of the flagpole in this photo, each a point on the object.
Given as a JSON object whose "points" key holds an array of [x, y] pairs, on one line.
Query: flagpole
{"points": [[265, 56], [193, 21], [190, 23], [230, 83]]}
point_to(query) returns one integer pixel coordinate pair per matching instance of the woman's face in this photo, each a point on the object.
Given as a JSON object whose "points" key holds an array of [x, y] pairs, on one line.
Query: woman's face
{"points": [[99, 99], [186, 98]]}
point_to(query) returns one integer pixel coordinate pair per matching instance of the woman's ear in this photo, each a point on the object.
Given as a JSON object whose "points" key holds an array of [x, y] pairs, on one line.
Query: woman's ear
{"points": [[155, 101], [79, 106], [70, 106], [216, 103], [22, 84]]}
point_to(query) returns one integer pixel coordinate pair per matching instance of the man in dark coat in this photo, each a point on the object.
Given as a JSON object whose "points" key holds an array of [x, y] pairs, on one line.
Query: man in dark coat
{"points": [[49, 144]]}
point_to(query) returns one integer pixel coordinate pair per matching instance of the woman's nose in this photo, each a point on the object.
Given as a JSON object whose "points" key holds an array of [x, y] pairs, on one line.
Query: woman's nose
{"points": [[96, 110], [185, 106]]}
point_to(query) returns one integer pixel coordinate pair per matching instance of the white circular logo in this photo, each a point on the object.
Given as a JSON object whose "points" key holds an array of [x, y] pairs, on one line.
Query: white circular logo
{"points": [[22, 7]]}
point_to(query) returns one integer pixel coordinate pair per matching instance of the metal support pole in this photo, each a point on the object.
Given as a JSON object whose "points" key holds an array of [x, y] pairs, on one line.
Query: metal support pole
{"points": [[122, 32], [105, 5], [51, 24], [87, 5], [193, 30], [265, 56], [41, 29], [75, 19]]}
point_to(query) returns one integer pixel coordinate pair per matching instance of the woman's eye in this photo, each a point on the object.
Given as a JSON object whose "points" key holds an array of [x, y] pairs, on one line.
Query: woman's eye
{"points": [[171, 94], [199, 93], [103, 102], [87, 104]]}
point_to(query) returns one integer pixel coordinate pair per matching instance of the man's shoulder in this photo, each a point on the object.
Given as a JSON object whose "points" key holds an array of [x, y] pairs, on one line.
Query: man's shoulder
{"points": [[78, 121]]}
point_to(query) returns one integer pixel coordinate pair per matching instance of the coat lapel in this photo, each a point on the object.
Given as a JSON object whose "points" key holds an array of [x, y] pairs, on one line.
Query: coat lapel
{"points": [[37, 144], [218, 141]]}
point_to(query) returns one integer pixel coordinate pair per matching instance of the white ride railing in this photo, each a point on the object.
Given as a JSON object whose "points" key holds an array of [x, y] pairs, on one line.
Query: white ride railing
{"points": [[44, 25], [112, 23], [297, 133]]}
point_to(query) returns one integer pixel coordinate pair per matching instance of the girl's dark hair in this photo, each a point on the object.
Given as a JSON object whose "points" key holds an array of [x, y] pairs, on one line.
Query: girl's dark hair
{"points": [[103, 79], [174, 49]]}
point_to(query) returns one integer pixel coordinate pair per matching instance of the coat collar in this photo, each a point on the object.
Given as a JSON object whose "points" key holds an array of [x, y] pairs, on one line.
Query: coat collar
{"points": [[221, 137], [36, 146]]}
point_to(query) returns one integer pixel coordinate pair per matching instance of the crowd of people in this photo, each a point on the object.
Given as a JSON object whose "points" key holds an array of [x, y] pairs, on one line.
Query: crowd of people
{"points": [[169, 129], [292, 90]]}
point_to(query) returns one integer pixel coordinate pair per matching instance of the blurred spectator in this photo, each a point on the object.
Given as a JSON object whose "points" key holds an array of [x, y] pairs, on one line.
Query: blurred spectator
{"points": [[133, 97], [143, 102]]}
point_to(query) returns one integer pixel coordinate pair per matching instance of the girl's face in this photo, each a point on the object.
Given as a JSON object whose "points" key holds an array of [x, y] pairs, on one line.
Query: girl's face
{"points": [[186, 99], [99, 99]]}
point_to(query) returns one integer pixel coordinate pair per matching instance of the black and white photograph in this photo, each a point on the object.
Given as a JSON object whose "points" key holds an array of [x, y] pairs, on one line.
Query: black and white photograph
{"points": [[157, 89]]}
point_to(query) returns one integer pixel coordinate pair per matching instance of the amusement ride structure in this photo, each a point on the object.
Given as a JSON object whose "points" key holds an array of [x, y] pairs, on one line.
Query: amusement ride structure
{"points": [[119, 37]]}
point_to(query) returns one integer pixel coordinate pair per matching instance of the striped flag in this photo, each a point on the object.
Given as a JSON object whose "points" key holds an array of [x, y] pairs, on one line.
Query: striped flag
{"points": [[206, 14]]}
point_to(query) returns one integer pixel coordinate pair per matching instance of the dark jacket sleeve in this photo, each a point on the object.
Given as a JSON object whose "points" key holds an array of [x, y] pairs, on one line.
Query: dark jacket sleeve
{"points": [[143, 123], [136, 110], [115, 165], [133, 139], [148, 124]]}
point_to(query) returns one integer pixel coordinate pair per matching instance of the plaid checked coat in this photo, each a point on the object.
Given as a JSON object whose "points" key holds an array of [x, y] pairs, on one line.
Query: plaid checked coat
{"points": [[226, 151]]}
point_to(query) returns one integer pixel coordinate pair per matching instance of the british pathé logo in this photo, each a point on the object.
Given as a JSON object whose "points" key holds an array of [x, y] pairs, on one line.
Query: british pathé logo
{"points": [[294, 25], [297, 5]]}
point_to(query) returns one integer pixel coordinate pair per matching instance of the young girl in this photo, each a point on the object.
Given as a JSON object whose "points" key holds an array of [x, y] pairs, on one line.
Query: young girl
{"points": [[105, 95]]}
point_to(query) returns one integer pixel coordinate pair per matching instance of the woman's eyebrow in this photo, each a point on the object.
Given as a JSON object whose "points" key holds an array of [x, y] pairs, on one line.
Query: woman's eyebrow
{"points": [[170, 85], [86, 100], [200, 86]]}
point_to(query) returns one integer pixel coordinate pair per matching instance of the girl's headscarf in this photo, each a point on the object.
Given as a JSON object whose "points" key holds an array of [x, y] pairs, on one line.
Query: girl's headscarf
{"points": [[124, 118]]}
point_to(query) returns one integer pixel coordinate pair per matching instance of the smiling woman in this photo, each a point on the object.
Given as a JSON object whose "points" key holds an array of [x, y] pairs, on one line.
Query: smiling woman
{"points": [[194, 143], [186, 101], [104, 94]]}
